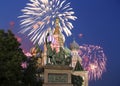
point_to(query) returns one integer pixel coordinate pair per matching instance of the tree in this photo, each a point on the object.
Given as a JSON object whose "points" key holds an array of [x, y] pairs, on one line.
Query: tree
{"points": [[11, 57], [77, 80]]}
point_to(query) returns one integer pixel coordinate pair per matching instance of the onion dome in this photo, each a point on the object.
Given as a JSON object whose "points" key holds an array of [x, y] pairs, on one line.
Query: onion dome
{"points": [[74, 45], [50, 39]]}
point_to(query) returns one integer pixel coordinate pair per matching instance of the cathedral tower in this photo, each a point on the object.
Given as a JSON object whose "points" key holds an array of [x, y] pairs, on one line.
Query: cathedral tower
{"points": [[57, 33], [74, 47]]}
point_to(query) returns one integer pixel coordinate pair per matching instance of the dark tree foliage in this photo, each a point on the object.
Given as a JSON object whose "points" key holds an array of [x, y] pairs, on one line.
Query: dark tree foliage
{"points": [[11, 57], [29, 78], [77, 80]]}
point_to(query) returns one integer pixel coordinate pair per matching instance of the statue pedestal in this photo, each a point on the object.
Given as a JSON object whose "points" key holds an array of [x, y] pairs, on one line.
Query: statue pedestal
{"points": [[57, 75]]}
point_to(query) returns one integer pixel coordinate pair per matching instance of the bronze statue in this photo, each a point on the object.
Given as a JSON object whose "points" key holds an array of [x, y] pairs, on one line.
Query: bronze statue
{"points": [[57, 58]]}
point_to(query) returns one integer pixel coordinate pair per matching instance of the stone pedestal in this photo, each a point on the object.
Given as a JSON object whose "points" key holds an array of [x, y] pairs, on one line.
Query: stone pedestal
{"points": [[84, 75], [57, 75]]}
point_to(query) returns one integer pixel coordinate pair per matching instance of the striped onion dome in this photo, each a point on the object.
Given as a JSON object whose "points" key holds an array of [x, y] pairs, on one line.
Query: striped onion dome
{"points": [[74, 45], [51, 39]]}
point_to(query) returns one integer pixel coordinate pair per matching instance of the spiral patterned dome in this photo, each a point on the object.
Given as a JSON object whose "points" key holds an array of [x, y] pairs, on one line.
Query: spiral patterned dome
{"points": [[74, 45]]}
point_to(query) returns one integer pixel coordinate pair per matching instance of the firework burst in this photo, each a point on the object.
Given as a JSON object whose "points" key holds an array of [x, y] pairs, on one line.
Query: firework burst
{"points": [[39, 16], [93, 60]]}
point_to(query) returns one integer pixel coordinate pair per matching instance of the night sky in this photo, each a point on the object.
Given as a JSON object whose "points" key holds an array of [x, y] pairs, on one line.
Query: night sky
{"points": [[98, 21]]}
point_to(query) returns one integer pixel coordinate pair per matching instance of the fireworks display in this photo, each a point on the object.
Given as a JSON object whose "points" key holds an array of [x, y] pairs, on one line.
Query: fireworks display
{"points": [[93, 60], [39, 16]]}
